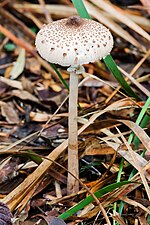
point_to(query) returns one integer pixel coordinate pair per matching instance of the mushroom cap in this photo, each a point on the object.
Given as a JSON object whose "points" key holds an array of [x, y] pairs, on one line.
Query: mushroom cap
{"points": [[73, 41]]}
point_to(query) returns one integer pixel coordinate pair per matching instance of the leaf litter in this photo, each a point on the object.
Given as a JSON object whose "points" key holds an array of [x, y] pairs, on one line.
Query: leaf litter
{"points": [[34, 129]]}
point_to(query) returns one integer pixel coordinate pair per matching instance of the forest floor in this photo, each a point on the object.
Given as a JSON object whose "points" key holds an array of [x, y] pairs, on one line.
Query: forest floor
{"points": [[114, 145]]}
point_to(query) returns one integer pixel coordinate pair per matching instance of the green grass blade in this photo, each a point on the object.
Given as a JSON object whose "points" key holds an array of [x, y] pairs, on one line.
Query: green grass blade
{"points": [[114, 69], [78, 4], [143, 119], [60, 76], [90, 199], [29, 154]]}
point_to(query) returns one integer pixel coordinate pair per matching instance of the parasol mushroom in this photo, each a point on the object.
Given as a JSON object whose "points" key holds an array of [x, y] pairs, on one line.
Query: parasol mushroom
{"points": [[72, 42]]}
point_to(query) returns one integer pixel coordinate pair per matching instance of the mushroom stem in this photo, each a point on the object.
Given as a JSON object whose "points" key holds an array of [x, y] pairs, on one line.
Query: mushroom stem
{"points": [[73, 164]]}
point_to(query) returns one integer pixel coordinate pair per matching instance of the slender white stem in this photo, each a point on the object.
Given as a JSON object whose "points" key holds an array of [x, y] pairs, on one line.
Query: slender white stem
{"points": [[73, 164]]}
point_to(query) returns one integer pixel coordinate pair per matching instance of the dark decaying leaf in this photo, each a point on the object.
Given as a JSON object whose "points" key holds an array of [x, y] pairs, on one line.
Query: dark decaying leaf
{"points": [[5, 215], [8, 111], [3, 87], [8, 171], [52, 220]]}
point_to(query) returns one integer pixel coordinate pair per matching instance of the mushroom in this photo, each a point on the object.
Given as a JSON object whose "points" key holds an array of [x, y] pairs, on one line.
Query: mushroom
{"points": [[72, 42]]}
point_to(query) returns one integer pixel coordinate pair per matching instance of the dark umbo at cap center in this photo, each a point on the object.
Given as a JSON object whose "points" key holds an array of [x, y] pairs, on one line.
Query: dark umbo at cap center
{"points": [[75, 21]]}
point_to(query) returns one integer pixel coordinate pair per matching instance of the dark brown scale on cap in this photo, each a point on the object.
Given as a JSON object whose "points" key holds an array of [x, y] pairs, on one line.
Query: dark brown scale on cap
{"points": [[74, 21], [64, 54]]}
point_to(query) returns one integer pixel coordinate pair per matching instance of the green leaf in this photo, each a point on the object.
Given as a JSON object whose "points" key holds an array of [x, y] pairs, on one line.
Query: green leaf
{"points": [[90, 199]]}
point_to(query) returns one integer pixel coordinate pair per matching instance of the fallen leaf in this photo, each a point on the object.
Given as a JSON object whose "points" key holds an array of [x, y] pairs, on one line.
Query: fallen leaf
{"points": [[11, 83], [8, 111], [141, 134], [32, 65], [52, 220], [19, 65], [5, 214], [126, 155], [24, 95], [27, 84], [8, 170], [116, 216], [3, 87], [42, 117], [146, 3], [138, 204]]}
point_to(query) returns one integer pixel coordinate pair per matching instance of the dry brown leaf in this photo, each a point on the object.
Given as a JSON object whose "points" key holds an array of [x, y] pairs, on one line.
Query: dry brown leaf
{"points": [[116, 195], [127, 156], [9, 112], [134, 81], [27, 84], [116, 216], [142, 217], [52, 220], [147, 4], [86, 210], [5, 214], [94, 150], [43, 117], [11, 83], [57, 175], [140, 133], [58, 189], [29, 48], [27, 222], [8, 170], [32, 65], [24, 95], [19, 65], [136, 204]]}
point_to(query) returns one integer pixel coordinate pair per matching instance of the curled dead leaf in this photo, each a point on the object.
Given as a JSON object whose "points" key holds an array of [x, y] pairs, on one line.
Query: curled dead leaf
{"points": [[8, 111], [52, 220], [5, 214]]}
